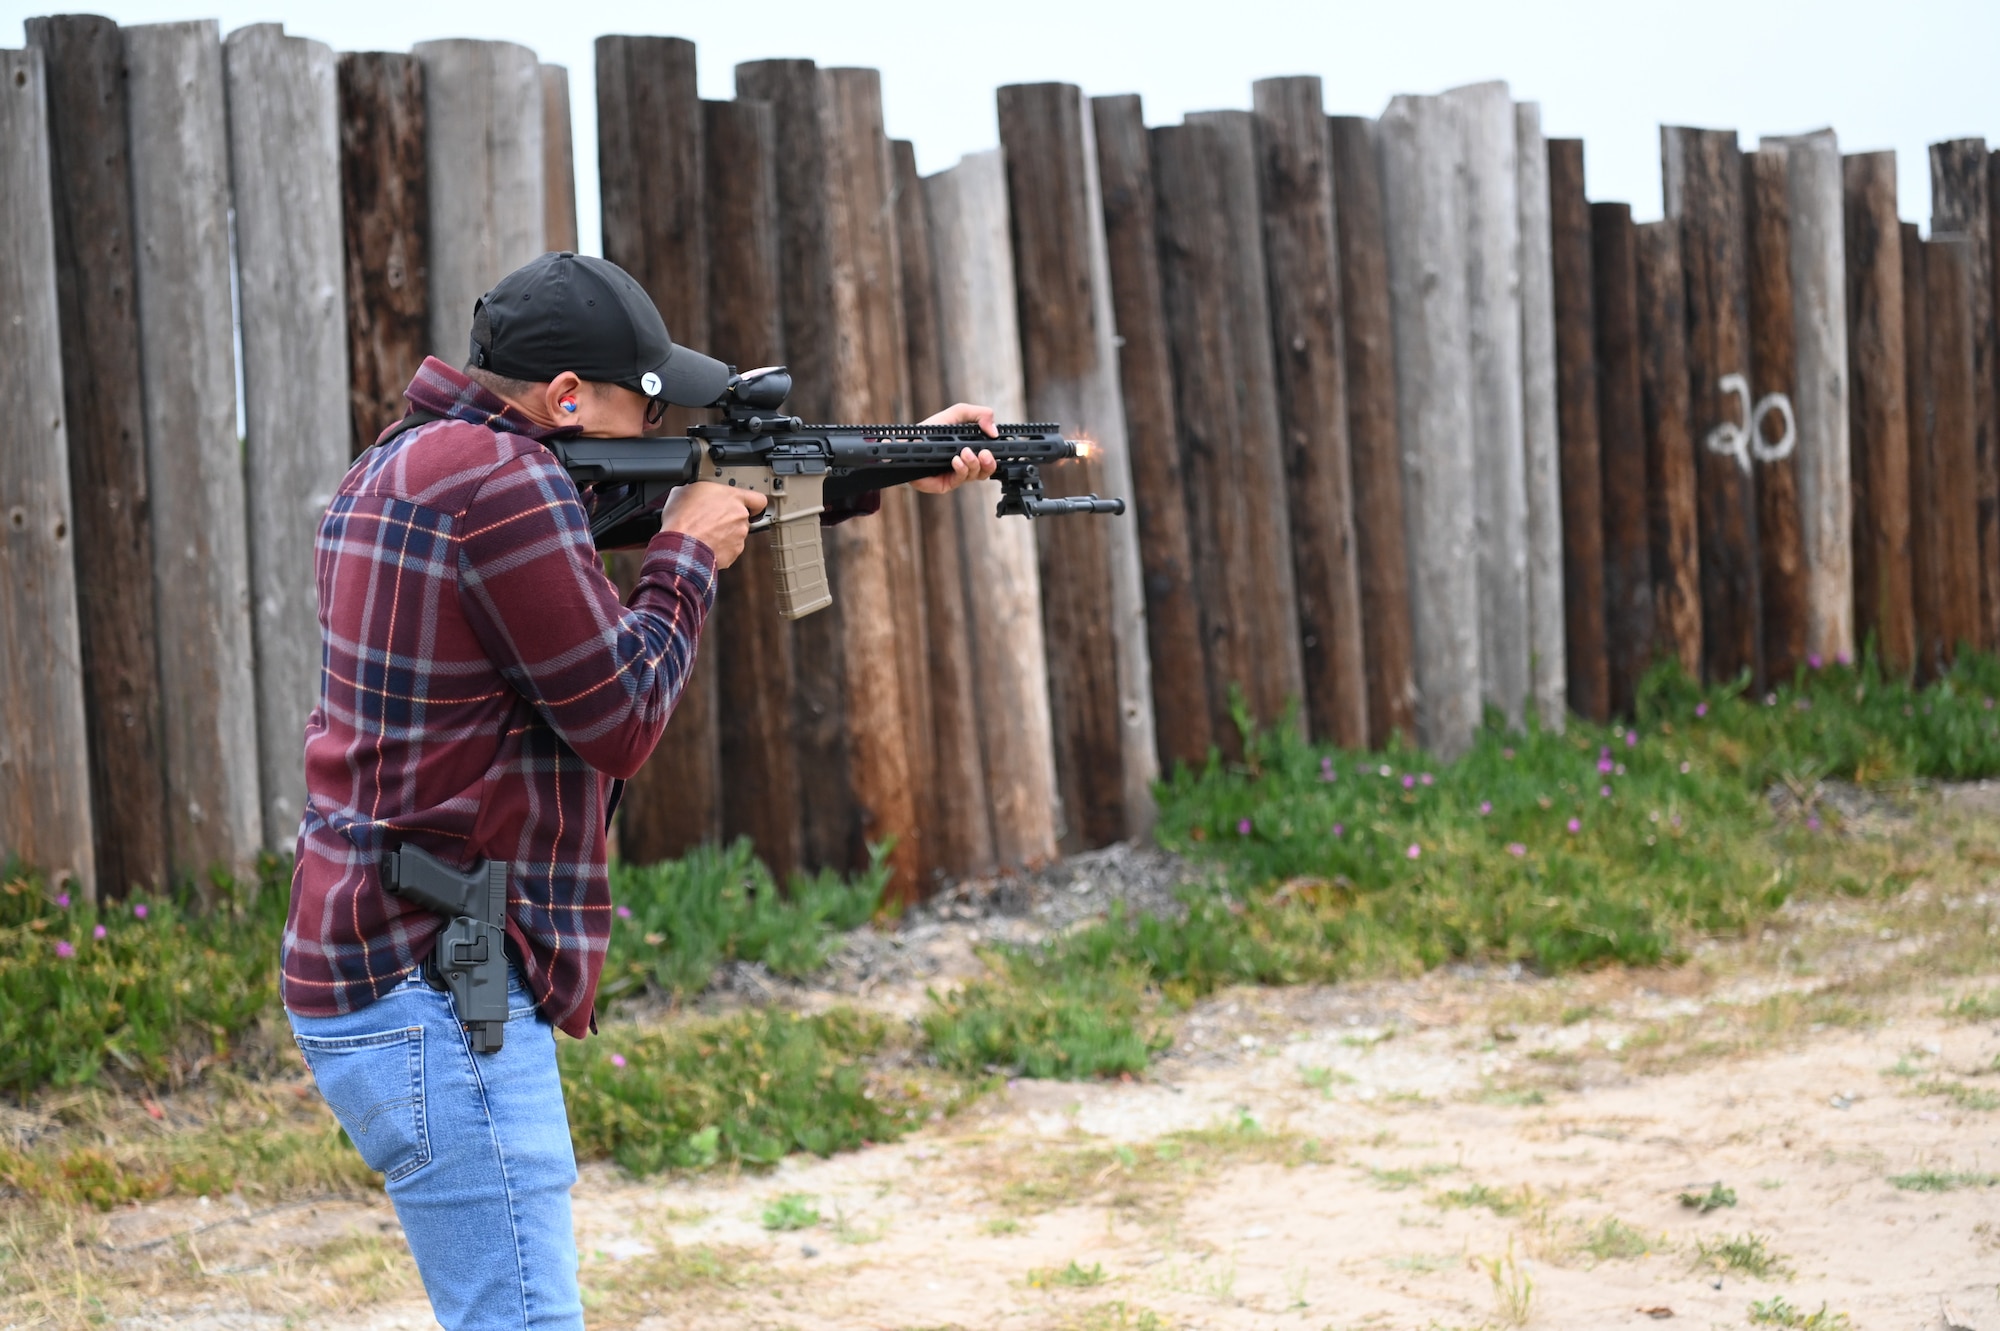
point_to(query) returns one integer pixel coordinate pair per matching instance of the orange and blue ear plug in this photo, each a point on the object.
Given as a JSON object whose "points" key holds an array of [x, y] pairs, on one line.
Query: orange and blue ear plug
{"points": [[568, 404]]}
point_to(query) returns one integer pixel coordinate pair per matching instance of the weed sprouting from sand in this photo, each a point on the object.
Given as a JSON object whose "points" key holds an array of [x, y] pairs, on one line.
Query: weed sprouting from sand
{"points": [[1513, 1289], [1976, 1007], [1714, 1199], [1939, 1180], [1073, 1276], [793, 1210], [1747, 1254], [1778, 1312]]}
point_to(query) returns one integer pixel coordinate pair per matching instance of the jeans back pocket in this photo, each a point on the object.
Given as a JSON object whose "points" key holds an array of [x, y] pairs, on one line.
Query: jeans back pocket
{"points": [[375, 1086]]}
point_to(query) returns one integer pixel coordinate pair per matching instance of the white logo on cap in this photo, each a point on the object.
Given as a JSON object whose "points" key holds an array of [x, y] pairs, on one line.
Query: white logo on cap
{"points": [[651, 383]]}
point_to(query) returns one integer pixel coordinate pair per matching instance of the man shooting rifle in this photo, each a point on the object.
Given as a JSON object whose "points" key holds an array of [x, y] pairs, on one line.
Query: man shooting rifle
{"points": [[483, 690]]}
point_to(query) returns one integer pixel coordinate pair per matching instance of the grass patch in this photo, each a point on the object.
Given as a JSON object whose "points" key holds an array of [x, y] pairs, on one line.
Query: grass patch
{"points": [[1072, 1276], [1976, 1007], [1612, 1240], [1747, 1254], [1714, 1199], [1961, 1095], [794, 1210], [1938, 1180], [1115, 1316], [1133, 1177], [1396, 1180], [1778, 1312], [1501, 1202]]}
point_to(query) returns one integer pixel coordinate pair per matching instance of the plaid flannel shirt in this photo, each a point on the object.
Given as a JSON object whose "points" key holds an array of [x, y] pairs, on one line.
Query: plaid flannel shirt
{"points": [[480, 687]]}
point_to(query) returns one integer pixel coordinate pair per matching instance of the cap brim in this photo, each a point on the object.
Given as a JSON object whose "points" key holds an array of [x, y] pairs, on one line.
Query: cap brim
{"points": [[690, 379]]}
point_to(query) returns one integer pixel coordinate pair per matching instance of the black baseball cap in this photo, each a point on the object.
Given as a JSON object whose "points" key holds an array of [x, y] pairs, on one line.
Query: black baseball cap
{"points": [[571, 312]]}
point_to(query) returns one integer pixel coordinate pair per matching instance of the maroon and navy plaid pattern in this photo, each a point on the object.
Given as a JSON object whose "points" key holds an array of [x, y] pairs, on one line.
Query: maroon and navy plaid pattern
{"points": [[480, 687]]}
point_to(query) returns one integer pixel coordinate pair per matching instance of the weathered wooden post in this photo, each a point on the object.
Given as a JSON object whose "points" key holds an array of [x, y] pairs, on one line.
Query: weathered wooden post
{"points": [[1541, 457], [1781, 559], [827, 815], [284, 168], [89, 175], [961, 819], [1145, 370], [1589, 673], [1703, 172], [654, 200], [385, 207], [751, 648], [1419, 139], [1295, 150], [483, 171], [1368, 340], [558, 162], [1926, 559], [1628, 565], [1493, 300], [1961, 204], [1878, 410], [201, 566], [1671, 490], [1819, 316], [1948, 522], [1093, 604], [972, 263], [44, 752], [1276, 678]]}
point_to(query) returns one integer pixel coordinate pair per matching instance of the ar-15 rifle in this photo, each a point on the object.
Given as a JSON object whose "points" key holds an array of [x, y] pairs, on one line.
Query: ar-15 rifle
{"points": [[800, 468]]}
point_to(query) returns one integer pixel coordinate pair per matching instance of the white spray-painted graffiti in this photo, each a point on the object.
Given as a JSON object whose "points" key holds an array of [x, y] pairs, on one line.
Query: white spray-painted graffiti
{"points": [[1745, 441]]}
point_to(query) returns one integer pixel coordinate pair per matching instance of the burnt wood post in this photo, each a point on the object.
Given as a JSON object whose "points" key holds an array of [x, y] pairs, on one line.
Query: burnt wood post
{"points": [[751, 647], [1093, 605], [1781, 558], [972, 265], [653, 186], [1961, 205], [558, 162], [385, 210], [1540, 435], [829, 820], [1420, 143], [1819, 317], [1493, 301], [1375, 453], [1703, 172], [44, 753], [89, 174], [961, 840], [1671, 485], [284, 165], [1951, 274], [483, 168], [201, 560], [1589, 673], [1628, 567], [1878, 410], [1302, 259], [1145, 368]]}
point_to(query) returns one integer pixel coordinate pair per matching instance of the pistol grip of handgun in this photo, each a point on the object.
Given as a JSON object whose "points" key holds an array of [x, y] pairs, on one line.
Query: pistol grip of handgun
{"points": [[796, 553]]}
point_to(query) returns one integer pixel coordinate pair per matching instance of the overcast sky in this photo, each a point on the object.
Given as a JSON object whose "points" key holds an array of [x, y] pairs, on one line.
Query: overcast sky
{"points": [[1883, 75]]}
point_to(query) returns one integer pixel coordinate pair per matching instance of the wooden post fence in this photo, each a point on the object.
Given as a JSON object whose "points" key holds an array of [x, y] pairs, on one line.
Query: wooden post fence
{"points": [[1181, 721], [201, 565], [1878, 410], [1961, 204], [1499, 446], [1541, 458], [1926, 558], [972, 264], [284, 157], [1671, 485], [1375, 451], [1628, 568], [1589, 672], [44, 754], [1295, 153], [558, 162], [1946, 518], [1093, 606], [385, 209], [1781, 559], [89, 175], [1419, 140]]}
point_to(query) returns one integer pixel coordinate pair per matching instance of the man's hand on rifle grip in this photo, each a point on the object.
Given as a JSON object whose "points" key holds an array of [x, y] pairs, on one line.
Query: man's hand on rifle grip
{"points": [[967, 466], [716, 515]]}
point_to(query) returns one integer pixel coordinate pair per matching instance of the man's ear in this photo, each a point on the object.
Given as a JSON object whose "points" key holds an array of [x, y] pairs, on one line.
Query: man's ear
{"points": [[563, 385]]}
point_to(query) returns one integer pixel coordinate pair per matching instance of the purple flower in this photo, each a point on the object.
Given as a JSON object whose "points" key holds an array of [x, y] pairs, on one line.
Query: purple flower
{"points": [[1813, 662], [139, 909], [1812, 823], [1427, 778], [1631, 739], [1243, 827], [1485, 807], [1326, 772], [1516, 849], [1604, 765], [1676, 820], [1701, 709], [1339, 830], [1803, 704], [618, 1060], [1604, 754], [1415, 852], [624, 912], [97, 932], [1508, 754], [1844, 659], [62, 900], [1409, 782], [1604, 792], [64, 949], [1575, 826]]}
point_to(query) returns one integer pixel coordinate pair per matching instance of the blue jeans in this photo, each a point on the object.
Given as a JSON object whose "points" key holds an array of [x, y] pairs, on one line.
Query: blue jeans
{"points": [[475, 1149]]}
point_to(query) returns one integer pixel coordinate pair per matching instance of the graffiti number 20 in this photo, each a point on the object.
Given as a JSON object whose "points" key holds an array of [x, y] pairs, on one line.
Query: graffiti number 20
{"points": [[1746, 441]]}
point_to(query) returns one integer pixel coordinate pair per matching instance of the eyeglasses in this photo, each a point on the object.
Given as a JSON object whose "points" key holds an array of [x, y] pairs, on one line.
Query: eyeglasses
{"points": [[656, 411]]}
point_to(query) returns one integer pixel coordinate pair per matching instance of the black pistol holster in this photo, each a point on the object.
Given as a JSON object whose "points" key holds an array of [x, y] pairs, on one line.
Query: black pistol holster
{"points": [[470, 959]]}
